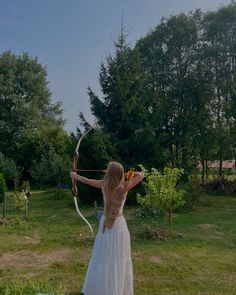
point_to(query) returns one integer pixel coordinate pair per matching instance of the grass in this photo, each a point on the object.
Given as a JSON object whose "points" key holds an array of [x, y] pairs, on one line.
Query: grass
{"points": [[51, 251]]}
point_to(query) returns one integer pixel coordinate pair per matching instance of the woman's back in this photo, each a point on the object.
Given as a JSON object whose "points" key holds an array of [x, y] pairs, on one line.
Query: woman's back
{"points": [[121, 207]]}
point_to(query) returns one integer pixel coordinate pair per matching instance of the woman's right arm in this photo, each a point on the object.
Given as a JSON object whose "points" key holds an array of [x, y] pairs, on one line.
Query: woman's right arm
{"points": [[138, 176], [89, 181]]}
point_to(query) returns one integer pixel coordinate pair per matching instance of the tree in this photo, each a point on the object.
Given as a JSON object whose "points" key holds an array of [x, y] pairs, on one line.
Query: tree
{"points": [[219, 32], [8, 168], [161, 193], [169, 58], [171, 99], [26, 109], [121, 112]]}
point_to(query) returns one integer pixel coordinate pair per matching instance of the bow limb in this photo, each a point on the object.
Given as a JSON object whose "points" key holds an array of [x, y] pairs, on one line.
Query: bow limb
{"points": [[75, 193], [82, 136], [81, 215], [74, 185]]}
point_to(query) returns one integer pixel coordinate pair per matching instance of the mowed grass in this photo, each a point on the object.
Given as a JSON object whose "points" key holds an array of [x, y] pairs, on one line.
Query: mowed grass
{"points": [[51, 251]]}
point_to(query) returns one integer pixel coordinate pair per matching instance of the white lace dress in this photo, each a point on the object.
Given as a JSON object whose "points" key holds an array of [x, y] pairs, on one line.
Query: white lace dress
{"points": [[110, 270]]}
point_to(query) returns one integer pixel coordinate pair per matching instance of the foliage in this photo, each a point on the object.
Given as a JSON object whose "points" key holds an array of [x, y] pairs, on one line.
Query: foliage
{"points": [[148, 212], [20, 195], [19, 199], [25, 186], [8, 168], [96, 149], [169, 101], [220, 185], [121, 112], [193, 191], [3, 187], [161, 192], [47, 171], [30, 123]]}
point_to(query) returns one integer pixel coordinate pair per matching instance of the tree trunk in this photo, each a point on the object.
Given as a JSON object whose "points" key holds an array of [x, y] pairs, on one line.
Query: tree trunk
{"points": [[4, 205], [164, 221], [170, 220], [203, 171], [172, 155], [26, 210], [185, 163], [177, 154], [220, 166], [206, 170]]}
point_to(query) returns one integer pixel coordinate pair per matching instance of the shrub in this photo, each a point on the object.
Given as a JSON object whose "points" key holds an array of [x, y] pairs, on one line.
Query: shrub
{"points": [[161, 193], [8, 168], [47, 171], [221, 186], [193, 190]]}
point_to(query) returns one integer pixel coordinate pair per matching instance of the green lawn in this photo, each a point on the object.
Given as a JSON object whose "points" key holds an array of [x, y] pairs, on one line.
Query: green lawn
{"points": [[50, 253]]}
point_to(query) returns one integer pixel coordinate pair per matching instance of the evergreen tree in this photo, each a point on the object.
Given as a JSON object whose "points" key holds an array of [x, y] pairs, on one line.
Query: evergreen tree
{"points": [[121, 112]]}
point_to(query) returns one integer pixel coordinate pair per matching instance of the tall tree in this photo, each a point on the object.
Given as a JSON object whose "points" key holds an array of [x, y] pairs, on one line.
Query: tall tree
{"points": [[30, 124], [122, 112], [169, 57], [220, 44]]}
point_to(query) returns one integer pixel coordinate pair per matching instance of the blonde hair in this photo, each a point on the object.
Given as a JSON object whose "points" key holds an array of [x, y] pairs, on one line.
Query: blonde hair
{"points": [[113, 177]]}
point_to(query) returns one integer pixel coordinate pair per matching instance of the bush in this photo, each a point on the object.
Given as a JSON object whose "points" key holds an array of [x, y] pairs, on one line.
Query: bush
{"points": [[161, 193], [47, 171], [148, 212], [8, 168], [221, 186], [193, 190]]}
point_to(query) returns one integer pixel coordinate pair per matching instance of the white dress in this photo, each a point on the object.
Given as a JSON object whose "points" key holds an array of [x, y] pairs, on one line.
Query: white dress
{"points": [[110, 270]]}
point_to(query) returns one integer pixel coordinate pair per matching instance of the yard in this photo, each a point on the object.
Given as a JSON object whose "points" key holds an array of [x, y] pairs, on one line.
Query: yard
{"points": [[50, 252]]}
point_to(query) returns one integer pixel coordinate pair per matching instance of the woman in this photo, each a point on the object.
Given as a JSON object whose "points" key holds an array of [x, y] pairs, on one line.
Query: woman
{"points": [[110, 270]]}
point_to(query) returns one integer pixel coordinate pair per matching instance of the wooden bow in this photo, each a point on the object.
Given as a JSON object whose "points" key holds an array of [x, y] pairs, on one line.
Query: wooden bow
{"points": [[74, 189]]}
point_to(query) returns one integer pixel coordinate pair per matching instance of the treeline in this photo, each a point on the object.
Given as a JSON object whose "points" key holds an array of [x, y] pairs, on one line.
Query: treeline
{"points": [[33, 142], [169, 101]]}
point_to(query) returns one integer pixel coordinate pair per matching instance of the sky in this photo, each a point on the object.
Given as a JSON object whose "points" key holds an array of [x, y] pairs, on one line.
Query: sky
{"points": [[71, 37]]}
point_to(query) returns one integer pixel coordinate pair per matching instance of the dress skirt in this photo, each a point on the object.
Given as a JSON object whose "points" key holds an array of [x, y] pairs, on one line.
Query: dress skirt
{"points": [[110, 270]]}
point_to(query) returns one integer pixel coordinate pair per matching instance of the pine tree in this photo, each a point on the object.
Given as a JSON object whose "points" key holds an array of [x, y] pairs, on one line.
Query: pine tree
{"points": [[121, 112]]}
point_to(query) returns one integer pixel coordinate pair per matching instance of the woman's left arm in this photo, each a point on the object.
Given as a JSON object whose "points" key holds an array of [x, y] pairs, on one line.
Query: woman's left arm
{"points": [[92, 182]]}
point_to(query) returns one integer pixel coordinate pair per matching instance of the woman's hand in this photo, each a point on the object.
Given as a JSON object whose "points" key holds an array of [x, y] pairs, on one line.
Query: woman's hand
{"points": [[73, 175]]}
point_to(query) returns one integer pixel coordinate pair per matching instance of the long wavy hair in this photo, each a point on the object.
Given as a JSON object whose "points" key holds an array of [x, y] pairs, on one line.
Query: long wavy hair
{"points": [[113, 177]]}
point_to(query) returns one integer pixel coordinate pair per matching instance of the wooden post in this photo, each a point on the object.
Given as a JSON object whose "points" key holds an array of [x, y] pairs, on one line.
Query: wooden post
{"points": [[170, 220], [26, 209], [164, 221]]}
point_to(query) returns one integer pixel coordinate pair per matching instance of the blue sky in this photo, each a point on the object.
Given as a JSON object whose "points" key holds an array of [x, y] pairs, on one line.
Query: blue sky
{"points": [[71, 37]]}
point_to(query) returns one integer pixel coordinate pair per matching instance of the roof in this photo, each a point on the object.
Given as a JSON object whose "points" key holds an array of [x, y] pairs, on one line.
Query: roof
{"points": [[226, 164]]}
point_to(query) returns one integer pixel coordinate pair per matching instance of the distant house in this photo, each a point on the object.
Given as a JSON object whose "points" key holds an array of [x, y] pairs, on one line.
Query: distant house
{"points": [[226, 165]]}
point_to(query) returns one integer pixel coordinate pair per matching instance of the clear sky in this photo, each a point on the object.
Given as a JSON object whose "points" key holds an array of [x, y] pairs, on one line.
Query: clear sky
{"points": [[71, 37]]}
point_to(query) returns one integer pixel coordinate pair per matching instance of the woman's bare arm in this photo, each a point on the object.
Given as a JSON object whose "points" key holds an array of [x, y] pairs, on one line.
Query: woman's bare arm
{"points": [[89, 181], [138, 176]]}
